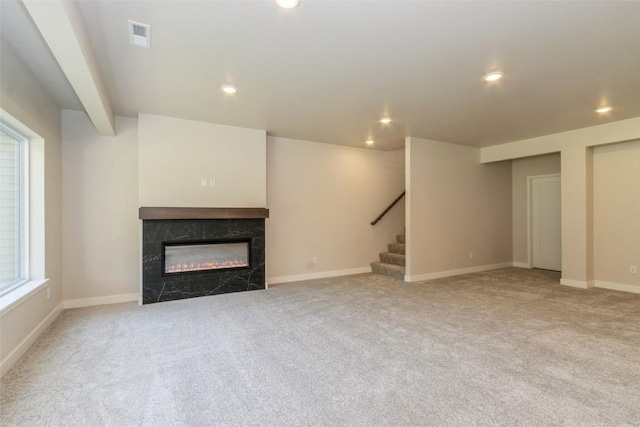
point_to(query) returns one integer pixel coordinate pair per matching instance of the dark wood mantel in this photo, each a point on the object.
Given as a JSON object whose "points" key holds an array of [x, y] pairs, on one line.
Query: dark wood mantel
{"points": [[150, 213]]}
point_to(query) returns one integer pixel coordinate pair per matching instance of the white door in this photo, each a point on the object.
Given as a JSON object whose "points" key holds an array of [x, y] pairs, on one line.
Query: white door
{"points": [[546, 241]]}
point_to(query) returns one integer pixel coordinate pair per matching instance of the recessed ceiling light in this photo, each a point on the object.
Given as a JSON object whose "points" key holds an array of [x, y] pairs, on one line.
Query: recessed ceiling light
{"points": [[287, 4], [604, 109], [492, 77], [370, 141], [229, 89], [385, 120]]}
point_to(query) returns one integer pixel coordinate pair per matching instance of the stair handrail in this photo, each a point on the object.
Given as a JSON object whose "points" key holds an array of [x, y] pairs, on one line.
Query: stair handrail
{"points": [[375, 221]]}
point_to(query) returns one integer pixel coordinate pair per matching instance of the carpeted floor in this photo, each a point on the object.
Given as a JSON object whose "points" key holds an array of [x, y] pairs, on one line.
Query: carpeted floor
{"points": [[508, 347]]}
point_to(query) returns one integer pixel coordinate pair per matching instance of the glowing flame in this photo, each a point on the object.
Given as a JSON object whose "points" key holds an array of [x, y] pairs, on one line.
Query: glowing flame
{"points": [[215, 265]]}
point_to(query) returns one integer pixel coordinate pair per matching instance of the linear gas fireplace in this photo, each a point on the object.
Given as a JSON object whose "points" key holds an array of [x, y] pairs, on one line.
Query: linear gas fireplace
{"points": [[194, 252], [205, 255]]}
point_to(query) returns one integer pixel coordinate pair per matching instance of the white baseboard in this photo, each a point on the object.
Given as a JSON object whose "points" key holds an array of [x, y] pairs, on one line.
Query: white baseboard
{"points": [[320, 275], [521, 264], [111, 299], [582, 284], [441, 274], [22, 348], [618, 286]]}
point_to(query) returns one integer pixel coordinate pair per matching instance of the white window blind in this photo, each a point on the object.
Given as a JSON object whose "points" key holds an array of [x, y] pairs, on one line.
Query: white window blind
{"points": [[12, 210]]}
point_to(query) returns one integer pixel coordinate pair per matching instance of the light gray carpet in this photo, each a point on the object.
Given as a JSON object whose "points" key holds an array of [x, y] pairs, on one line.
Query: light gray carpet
{"points": [[508, 347]]}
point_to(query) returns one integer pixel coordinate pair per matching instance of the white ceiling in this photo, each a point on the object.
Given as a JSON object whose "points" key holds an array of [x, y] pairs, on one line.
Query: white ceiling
{"points": [[328, 70]]}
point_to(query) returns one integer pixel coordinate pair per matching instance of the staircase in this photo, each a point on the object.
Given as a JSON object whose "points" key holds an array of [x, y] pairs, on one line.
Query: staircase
{"points": [[392, 263]]}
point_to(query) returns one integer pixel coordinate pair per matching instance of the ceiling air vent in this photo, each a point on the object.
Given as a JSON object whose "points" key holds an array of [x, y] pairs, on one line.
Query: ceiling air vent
{"points": [[140, 34]]}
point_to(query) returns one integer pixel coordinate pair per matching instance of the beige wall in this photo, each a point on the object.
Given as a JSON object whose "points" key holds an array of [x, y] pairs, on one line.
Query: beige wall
{"points": [[577, 164], [520, 170], [609, 133], [577, 201], [100, 208], [456, 205], [322, 199], [152, 161], [175, 154], [617, 213], [23, 98]]}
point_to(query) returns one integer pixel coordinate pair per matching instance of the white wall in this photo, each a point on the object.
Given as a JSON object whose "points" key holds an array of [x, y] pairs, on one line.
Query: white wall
{"points": [[322, 199], [100, 209], [25, 100], [175, 154], [456, 205], [616, 200], [521, 169]]}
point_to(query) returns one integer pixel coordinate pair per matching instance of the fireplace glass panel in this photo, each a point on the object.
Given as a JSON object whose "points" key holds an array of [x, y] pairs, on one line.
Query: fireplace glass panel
{"points": [[187, 258]]}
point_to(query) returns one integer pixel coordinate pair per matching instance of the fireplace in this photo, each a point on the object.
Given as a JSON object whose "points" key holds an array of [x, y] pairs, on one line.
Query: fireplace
{"points": [[205, 255], [194, 252]]}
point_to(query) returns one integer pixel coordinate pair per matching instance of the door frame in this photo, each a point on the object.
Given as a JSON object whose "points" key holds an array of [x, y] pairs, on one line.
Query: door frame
{"points": [[530, 180]]}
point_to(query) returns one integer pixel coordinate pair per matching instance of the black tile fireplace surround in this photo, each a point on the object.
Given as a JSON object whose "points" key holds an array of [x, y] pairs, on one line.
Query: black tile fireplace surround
{"points": [[163, 225]]}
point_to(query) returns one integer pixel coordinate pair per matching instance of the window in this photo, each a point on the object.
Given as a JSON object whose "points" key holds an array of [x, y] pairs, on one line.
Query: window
{"points": [[14, 198]]}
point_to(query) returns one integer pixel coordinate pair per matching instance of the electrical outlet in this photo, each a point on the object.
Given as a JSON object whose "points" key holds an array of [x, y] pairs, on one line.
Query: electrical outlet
{"points": [[470, 255], [633, 269], [212, 182], [203, 182], [315, 259]]}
